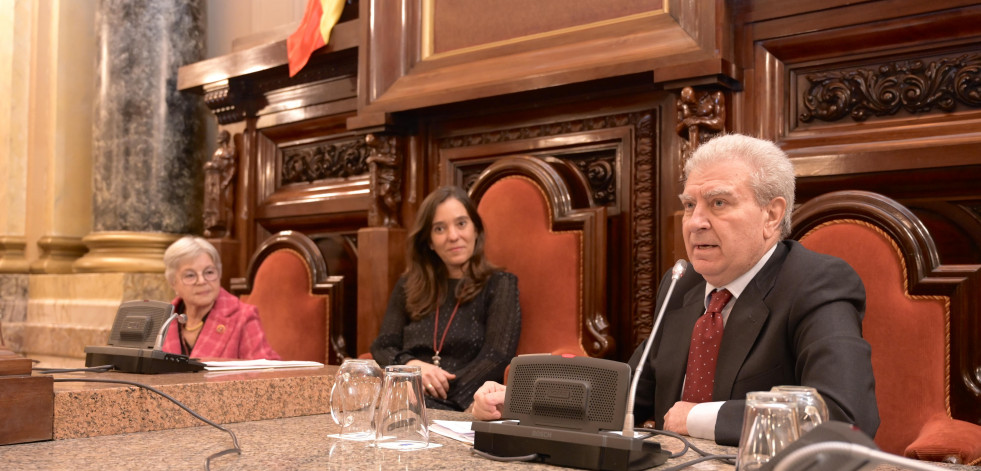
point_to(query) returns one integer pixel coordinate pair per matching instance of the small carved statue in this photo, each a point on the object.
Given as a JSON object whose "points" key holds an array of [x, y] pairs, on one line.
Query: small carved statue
{"points": [[701, 116], [385, 165], [219, 189]]}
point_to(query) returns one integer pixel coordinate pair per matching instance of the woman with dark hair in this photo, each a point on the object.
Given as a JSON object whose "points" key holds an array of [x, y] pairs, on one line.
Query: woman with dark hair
{"points": [[451, 313]]}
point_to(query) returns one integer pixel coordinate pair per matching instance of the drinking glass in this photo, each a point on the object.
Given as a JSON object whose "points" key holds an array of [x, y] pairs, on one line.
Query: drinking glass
{"points": [[769, 425], [812, 409], [353, 397], [401, 418]]}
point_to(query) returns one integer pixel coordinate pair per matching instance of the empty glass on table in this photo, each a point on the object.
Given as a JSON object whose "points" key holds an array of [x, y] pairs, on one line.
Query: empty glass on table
{"points": [[353, 396], [812, 409], [401, 418]]}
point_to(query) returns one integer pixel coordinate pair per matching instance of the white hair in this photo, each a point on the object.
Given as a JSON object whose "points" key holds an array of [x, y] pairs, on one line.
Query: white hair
{"points": [[186, 248], [771, 174]]}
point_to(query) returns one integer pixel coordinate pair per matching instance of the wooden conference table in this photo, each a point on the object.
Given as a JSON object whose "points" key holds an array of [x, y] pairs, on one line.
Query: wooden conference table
{"points": [[301, 441]]}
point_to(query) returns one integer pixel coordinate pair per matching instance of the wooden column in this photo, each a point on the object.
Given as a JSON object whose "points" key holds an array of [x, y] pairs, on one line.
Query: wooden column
{"points": [[381, 259]]}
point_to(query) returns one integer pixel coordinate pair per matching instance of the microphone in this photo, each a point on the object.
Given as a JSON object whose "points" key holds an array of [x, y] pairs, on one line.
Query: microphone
{"points": [[131, 347], [628, 421], [837, 446], [181, 318]]}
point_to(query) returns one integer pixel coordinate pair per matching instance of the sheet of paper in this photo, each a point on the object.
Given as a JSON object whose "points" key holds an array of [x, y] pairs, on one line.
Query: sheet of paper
{"points": [[258, 364], [455, 429]]}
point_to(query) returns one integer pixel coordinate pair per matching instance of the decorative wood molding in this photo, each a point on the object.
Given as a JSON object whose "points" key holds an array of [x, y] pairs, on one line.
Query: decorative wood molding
{"points": [[224, 102], [385, 164], [600, 167], [916, 86], [642, 226], [674, 39], [701, 116], [325, 160], [219, 188]]}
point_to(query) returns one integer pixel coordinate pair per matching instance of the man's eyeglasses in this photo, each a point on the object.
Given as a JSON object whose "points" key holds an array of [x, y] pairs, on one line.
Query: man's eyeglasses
{"points": [[190, 277]]}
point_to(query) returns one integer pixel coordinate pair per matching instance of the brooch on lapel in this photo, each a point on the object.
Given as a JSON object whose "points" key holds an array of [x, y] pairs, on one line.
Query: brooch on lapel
{"points": [[220, 329]]}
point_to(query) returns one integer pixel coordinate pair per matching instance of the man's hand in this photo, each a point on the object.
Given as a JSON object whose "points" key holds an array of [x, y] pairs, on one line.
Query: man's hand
{"points": [[676, 420], [435, 380], [488, 401]]}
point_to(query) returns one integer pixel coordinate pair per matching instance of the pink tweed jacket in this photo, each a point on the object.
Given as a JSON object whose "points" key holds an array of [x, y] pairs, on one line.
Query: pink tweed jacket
{"points": [[231, 331]]}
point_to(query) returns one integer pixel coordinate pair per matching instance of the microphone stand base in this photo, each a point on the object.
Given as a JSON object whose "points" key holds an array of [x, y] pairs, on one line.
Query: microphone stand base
{"points": [[598, 450]]}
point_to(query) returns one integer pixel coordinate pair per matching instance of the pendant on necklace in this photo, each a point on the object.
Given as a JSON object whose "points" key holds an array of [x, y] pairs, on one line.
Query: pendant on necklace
{"points": [[436, 360]]}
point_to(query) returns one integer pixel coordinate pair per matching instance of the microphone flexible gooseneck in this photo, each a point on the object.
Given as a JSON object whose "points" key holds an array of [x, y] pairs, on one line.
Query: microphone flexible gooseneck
{"points": [[799, 457], [181, 318], [628, 421]]}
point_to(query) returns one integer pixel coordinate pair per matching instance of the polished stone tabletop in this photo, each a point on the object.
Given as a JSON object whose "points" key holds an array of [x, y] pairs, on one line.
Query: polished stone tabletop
{"points": [[280, 420], [296, 443]]}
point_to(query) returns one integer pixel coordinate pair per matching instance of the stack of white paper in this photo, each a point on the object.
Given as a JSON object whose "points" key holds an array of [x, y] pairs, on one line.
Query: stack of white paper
{"points": [[258, 364]]}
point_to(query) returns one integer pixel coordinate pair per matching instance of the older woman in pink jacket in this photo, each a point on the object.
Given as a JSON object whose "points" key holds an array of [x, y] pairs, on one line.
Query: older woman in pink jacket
{"points": [[218, 324]]}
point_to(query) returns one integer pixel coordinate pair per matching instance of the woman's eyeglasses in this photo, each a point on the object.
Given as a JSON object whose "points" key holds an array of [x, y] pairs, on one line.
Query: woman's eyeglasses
{"points": [[190, 277]]}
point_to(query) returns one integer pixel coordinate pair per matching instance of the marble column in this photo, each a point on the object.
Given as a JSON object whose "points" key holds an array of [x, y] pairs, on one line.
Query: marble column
{"points": [[15, 20], [148, 138]]}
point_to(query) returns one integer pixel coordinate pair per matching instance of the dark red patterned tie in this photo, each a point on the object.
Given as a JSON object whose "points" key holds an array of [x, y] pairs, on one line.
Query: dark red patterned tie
{"points": [[703, 354]]}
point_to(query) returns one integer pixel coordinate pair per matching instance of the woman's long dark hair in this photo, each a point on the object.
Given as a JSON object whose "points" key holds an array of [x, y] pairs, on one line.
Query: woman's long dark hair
{"points": [[426, 274]]}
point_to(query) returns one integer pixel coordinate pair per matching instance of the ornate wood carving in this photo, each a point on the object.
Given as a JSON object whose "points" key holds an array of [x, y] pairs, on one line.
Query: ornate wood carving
{"points": [[643, 225], [385, 165], [599, 167], [219, 189], [915, 86], [325, 160], [222, 101], [701, 116]]}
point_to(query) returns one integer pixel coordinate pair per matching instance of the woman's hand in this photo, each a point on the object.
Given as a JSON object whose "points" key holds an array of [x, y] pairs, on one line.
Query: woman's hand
{"points": [[488, 401], [435, 380]]}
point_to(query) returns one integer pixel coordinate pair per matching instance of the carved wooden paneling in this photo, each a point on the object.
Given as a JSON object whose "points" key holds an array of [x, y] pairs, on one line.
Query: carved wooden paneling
{"points": [[859, 102], [401, 70], [912, 86], [868, 83], [325, 160]]}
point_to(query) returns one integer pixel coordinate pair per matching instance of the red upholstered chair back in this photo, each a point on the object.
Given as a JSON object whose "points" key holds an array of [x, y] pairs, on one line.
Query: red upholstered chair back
{"points": [[557, 250], [907, 322], [298, 303]]}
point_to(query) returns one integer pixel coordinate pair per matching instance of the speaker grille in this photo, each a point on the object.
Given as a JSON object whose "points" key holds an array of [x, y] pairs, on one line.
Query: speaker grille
{"points": [[559, 390], [138, 322]]}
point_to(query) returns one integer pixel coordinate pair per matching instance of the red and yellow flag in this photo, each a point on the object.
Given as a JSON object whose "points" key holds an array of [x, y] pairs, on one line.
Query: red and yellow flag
{"points": [[313, 32]]}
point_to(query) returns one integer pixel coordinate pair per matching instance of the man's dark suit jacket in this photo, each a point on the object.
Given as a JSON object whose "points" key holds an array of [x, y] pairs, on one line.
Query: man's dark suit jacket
{"points": [[799, 321]]}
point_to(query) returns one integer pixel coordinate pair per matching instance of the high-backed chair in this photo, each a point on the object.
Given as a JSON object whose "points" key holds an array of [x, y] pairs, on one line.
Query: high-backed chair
{"points": [[921, 320], [541, 226], [299, 303]]}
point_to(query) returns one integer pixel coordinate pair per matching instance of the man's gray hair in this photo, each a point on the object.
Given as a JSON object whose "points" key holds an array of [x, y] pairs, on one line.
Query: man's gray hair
{"points": [[771, 174], [186, 248]]}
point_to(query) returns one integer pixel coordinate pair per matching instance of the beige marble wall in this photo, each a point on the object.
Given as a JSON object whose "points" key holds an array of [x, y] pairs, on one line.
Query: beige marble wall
{"points": [[65, 313]]}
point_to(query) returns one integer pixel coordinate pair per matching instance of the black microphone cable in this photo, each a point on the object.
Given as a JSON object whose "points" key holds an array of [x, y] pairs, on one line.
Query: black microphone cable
{"points": [[705, 456], [207, 463]]}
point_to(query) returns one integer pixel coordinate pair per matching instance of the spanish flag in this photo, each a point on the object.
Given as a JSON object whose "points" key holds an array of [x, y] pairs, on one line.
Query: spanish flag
{"points": [[313, 32]]}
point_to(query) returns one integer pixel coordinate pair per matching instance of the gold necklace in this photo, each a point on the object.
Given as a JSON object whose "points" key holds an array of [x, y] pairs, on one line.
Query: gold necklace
{"points": [[195, 328]]}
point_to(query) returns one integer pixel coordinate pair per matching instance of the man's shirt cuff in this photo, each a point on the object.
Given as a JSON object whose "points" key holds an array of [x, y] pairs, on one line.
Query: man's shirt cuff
{"points": [[702, 418]]}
